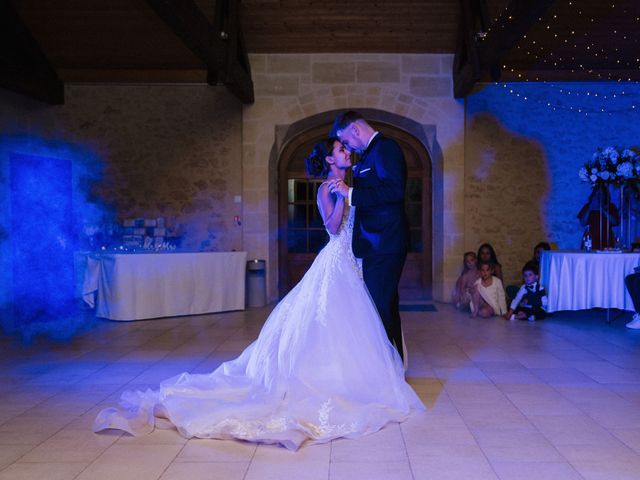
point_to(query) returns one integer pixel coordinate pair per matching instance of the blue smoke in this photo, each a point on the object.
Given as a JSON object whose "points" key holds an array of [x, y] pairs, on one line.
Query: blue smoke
{"points": [[45, 201]]}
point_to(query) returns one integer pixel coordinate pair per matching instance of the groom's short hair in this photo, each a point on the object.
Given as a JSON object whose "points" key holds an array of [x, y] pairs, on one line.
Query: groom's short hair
{"points": [[343, 120]]}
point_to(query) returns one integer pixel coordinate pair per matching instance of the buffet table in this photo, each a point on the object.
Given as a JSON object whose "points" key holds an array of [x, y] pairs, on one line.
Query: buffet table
{"points": [[134, 286], [579, 281]]}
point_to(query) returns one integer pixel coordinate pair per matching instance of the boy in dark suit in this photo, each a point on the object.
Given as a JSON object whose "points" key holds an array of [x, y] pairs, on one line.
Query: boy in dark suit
{"points": [[380, 232]]}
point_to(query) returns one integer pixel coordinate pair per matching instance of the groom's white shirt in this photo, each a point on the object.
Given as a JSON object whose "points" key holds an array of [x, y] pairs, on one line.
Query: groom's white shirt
{"points": [[368, 143]]}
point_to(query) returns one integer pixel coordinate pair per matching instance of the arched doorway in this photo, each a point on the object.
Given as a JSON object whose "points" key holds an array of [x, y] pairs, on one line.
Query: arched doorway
{"points": [[302, 234]]}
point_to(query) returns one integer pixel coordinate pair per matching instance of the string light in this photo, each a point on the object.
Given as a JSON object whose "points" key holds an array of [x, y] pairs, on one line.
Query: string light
{"points": [[593, 50]]}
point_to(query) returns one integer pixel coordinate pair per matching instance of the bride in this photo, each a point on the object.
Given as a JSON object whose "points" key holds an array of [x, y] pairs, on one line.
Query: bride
{"points": [[321, 368]]}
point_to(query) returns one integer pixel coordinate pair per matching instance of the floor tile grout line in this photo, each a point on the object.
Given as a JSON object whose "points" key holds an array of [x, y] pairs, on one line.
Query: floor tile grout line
{"points": [[124, 385], [527, 417], [554, 387], [78, 416], [588, 415], [484, 454], [98, 457], [253, 456], [533, 424], [476, 365], [45, 440], [406, 452], [171, 462]]}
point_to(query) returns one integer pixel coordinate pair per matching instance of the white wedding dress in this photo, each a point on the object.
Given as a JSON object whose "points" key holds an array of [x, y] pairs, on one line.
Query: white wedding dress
{"points": [[321, 368]]}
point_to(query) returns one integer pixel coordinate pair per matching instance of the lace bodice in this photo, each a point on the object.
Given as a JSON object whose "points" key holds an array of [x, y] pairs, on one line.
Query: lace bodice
{"points": [[339, 246], [345, 232]]}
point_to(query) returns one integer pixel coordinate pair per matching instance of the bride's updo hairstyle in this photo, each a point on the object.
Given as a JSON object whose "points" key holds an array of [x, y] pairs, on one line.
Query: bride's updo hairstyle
{"points": [[316, 164]]}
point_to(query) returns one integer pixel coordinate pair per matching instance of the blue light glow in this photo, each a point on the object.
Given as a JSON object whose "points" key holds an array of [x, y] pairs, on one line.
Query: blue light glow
{"points": [[567, 136], [46, 200]]}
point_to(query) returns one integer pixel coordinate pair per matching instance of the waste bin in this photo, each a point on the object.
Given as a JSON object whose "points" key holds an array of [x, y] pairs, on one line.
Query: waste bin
{"points": [[256, 287]]}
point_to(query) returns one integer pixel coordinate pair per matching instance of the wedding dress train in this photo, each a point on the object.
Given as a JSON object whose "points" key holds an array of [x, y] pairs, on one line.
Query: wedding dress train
{"points": [[321, 368]]}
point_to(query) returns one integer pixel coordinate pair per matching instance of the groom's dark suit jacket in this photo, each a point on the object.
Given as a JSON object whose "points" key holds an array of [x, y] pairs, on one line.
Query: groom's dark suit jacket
{"points": [[379, 184]]}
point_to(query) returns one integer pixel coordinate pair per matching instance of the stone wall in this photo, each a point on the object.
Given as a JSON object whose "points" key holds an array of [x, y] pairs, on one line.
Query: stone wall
{"points": [[291, 87], [522, 158], [505, 173], [167, 150]]}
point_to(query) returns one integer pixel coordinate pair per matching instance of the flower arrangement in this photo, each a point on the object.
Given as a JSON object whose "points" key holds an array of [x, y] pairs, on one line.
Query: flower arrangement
{"points": [[612, 165]]}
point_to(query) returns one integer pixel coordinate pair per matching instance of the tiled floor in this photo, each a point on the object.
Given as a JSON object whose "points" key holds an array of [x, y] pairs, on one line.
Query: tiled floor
{"points": [[558, 399]]}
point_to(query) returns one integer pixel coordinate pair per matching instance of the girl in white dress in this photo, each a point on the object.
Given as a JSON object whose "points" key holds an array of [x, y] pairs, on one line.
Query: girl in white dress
{"points": [[487, 296], [321, 368]]}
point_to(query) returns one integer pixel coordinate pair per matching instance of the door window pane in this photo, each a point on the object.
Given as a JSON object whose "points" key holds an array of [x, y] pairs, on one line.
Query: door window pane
{"points": [[315, 219], [296, 190], [297, 241], [297, 216]]}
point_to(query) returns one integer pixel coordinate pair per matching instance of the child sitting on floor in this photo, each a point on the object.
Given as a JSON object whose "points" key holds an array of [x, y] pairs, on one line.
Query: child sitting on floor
{"points": [[464, 284], [487, 298], [531, 301]]}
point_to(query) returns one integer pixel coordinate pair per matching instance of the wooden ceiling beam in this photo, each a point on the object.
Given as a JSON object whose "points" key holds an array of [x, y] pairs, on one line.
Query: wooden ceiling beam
{"points": [[481, 51], [232, 66], [129, 75], [24, 68], [215, 45]]}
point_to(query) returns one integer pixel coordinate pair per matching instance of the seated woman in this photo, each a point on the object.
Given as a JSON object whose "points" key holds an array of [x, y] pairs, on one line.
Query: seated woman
{"points": [[537, 252], [486, 253]]}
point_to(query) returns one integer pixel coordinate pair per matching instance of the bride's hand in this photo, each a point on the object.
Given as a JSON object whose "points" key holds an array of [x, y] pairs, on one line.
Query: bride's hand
{"points": [[338, 186]]}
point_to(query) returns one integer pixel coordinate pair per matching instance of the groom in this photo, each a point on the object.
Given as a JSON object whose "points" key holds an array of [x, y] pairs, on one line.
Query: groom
{"points": [[380, 229]]}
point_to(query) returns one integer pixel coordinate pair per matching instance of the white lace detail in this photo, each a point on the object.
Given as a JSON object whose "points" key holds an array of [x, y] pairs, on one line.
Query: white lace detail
{"points": [[325, 429], [340, 242]]}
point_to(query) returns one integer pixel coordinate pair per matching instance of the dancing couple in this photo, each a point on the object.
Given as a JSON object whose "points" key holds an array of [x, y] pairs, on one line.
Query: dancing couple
{"points": [[328, 360]]}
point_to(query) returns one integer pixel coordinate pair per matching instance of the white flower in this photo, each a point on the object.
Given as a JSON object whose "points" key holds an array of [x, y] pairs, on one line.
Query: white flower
{"points": [[612, 164], [613, 156], [625, 169], [583, 174]]}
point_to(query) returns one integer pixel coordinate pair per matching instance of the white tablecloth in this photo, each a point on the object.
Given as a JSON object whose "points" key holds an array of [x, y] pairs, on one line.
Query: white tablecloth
{"points": [[150, 285], [579, 281]]}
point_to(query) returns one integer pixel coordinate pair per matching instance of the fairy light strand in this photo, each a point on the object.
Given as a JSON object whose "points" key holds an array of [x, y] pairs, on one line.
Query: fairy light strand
{"points": [[538, 53]]}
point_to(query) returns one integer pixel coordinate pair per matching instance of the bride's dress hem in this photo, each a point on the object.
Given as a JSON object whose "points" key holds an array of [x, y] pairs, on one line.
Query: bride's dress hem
{"points": [[321, 368]]}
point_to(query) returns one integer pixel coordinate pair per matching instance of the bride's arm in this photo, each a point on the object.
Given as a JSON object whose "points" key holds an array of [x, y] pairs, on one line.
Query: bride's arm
{"points": [[331, 208]]}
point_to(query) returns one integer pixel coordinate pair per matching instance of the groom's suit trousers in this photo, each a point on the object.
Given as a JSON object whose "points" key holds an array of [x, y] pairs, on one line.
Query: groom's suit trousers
{"points": [[381, 275]]}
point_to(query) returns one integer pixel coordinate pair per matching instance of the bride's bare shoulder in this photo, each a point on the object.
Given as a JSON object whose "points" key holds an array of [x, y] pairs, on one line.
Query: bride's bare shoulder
{"points": [[323, 190]]}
